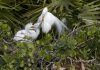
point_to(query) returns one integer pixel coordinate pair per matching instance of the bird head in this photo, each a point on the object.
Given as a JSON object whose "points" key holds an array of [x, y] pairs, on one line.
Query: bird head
{"points": [[45, 10], [36, 25], [29, 26]]}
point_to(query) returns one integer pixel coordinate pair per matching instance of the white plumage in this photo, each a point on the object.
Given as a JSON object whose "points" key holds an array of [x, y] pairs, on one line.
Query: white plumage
{"points": [[48, 20], [30, 33], [45, 10], [20, 36]]}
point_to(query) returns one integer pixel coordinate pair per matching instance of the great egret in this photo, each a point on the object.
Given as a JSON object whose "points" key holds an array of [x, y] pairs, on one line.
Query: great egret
{"points": [[30, 31], [48, 20]]}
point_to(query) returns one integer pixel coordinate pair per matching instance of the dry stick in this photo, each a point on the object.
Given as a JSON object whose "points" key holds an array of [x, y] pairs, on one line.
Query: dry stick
{"points": [[98, 64], [7, 42], [75, 27], [70, 60], [97, 24], [79, 28], [85, 41], [95, 55], [80, 60], [85, 61]]}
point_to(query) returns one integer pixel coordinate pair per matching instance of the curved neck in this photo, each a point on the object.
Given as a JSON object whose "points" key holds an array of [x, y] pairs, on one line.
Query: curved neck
{"points": [[37, 31]]}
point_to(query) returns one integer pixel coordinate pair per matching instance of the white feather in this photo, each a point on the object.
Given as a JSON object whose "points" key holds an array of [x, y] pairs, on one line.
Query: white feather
{"points": [[49, 21], [46, 27], [45, 10], [19, 36], [28, 32]]}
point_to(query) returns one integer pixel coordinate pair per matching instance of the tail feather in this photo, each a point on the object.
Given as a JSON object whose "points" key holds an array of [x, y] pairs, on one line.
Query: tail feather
{"points": [[60, 26], [62, 23]]}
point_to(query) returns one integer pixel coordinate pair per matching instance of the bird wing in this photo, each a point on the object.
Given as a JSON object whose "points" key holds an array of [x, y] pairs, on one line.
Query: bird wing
{"points": [[46, 27], [20, 35], [32, 34], [58, 23], [55, 21], [59, 27], [49, 20]]}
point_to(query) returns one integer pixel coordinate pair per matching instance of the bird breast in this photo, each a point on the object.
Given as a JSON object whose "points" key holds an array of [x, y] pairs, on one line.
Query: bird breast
{"points": [[20, 35], [33, 33], [49, 18], [46, 27]]}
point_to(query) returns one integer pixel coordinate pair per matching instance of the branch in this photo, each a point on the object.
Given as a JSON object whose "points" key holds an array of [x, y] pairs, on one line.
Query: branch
{"points": [[85, 41], [79, 28], [80, 60]]}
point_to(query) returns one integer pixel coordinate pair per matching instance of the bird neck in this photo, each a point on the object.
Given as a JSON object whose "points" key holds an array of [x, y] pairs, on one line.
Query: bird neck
{"points": [[37, 31]]}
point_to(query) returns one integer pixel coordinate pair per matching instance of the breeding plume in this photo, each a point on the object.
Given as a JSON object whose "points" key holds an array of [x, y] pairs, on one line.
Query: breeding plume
{"points": [[48, 20], [30, 33]]}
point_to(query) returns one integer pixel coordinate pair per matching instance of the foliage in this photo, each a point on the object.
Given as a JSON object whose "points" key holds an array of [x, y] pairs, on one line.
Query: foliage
{"points": [[75, 50]]}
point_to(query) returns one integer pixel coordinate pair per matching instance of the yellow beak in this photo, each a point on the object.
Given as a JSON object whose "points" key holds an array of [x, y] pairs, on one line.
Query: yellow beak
{"points": [[32, 26], [43, 18], [41, 22]]}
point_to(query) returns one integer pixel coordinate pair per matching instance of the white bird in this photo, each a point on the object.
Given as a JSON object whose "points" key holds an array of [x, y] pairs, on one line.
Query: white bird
{"points": [[20, 36], [30, 33], [48, 20]]}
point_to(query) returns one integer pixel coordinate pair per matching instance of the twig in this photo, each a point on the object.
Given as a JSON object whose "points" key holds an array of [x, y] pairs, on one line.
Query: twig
{"points": [[79, 28], [85, 61], [98, 64], [88, 61], [70, 59], [84, 41], [7, 42], [80, 60]]}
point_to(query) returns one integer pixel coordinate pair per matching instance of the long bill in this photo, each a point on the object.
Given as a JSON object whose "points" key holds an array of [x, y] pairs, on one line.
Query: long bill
{"points": [[32, 26], [42, 20]]}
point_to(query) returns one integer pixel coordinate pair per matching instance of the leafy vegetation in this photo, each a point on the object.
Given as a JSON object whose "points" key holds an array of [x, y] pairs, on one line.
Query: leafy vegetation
{"points": [[78, 49]]}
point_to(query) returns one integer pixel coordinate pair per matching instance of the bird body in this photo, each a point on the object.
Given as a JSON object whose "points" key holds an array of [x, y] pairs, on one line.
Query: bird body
{"points": [[45, 10], [46, 27], [49, 21], [20, 35], [32, 32], [27, 33], [46, 20]]}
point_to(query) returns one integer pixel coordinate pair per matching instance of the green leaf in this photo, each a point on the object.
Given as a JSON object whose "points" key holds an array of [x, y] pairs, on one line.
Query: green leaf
{"points": [[48, 57], [72, 68], [5, 47], [32, 47], [10, 65], [25, 68], [30, 54], [29, 64], [57, 64], [22, 63], [91, 31], [73, 53], [37, 42]]}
